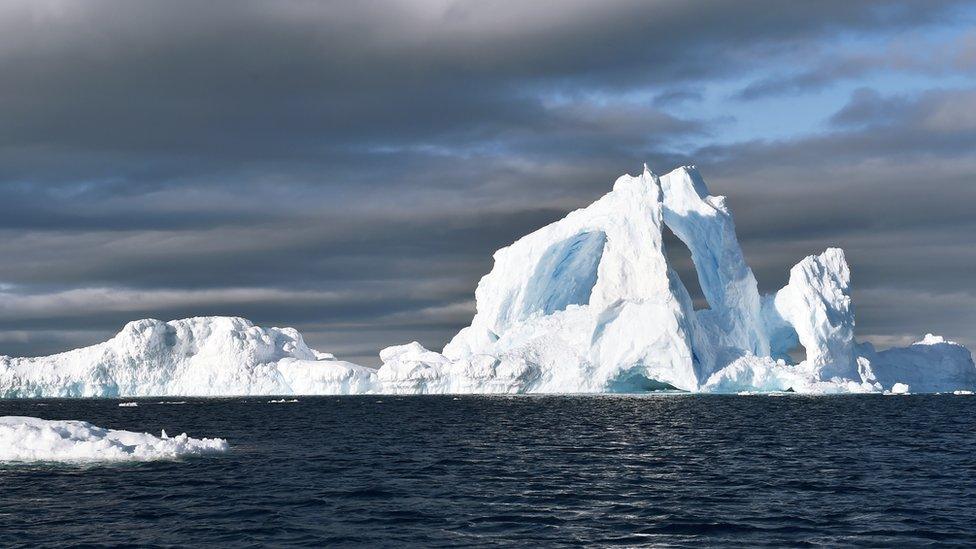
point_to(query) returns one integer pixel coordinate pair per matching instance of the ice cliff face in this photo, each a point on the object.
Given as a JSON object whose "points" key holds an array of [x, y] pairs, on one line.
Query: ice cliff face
{"points": [[586, 304]]}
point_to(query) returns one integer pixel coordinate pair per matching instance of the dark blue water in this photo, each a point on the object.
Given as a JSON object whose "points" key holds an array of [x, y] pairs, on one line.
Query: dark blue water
{"points": [[537, 471]]}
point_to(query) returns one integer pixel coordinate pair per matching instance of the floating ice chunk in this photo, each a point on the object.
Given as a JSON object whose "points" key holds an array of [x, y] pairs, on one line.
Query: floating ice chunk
{"points": [[34, 439], [321, 377], [928, 366], [900, 389], [751, 373], [128, 404]]}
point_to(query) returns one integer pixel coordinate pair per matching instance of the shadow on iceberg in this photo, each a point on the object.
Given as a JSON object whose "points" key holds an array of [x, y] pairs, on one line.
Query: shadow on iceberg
{"points": [[637, 382]]}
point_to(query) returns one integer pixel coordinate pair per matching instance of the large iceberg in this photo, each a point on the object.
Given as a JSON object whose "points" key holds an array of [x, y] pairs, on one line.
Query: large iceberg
{"points": [[587, 304], [590, 304]]}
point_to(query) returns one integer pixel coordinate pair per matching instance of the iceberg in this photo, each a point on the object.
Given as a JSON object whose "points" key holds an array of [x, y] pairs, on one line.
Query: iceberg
{"points": [[932, 365], [587, 304], [204, 356], [590, 304], [30, 439]]}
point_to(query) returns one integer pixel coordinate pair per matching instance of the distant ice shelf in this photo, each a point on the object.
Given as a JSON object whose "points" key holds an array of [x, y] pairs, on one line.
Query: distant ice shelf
{"points": [[588, 304]]}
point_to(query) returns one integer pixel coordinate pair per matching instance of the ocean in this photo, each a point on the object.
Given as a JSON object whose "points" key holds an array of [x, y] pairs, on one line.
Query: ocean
{"points": [[476, 471]]}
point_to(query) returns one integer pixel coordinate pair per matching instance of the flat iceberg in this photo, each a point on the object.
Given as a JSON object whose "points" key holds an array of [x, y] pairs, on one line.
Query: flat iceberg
{"points": [[29, 439], [204, 356], [587, 304]]}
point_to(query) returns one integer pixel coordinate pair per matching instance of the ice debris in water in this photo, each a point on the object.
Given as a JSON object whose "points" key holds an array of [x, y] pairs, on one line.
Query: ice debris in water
{"points": [[28, 439], [900, 389], [587, 304]]}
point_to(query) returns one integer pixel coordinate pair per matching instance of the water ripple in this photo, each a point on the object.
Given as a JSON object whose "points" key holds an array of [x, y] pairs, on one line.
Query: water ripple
{"points": [[682, 471]]}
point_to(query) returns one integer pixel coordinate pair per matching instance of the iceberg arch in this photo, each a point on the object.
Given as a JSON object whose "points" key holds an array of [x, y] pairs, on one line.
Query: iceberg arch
{"points": [[733, 322], [639, 330]]}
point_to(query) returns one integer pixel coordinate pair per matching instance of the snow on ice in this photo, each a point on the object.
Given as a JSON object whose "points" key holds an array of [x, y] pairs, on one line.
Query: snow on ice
{"points": [[586, 304], [32, 439], [208, 356]]}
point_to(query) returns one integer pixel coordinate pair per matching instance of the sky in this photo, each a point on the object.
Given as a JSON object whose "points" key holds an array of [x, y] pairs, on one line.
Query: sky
{"points": [[348, 168]]}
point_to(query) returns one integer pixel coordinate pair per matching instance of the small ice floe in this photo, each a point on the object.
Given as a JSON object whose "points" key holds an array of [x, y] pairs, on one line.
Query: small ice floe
{"points": [[282, 401], [899, 389], [173, 403], [962, 392], [128, 404], [29, 439]]}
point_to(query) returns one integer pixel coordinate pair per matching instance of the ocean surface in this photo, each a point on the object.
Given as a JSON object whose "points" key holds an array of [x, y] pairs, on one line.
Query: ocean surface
{"points": [[431, 471]]}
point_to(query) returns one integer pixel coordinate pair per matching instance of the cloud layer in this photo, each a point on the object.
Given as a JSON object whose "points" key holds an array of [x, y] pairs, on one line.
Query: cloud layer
{"points": [[348, 167]]}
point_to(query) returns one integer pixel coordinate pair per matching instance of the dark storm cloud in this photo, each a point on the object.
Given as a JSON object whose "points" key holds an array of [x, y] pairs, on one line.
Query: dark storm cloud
{"points": [[348, 167], [255, 255], [285, 80]]}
